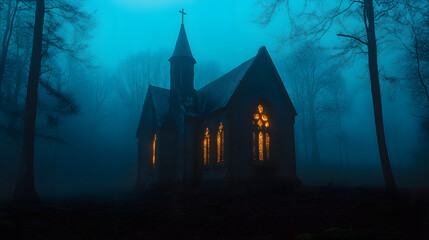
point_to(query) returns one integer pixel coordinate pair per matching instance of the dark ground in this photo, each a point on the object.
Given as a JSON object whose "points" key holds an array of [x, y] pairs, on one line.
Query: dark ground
{"points": [[327, 213]]}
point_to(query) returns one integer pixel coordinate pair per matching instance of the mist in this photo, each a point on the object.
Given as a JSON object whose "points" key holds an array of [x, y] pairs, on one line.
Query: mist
{"points": [[93, 150]]}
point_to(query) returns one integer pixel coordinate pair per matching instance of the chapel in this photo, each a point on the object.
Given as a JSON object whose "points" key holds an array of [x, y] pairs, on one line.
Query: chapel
{"points": [[237, 129]]}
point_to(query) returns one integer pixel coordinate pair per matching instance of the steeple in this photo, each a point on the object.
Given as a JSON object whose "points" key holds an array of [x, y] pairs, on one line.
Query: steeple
{"points": [[182, 48], [182, 72]]}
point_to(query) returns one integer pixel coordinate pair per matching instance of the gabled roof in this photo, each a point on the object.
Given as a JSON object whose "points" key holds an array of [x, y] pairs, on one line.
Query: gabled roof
{"points": [[182, 48], [157, 99], [161, 102], [217, 94]]}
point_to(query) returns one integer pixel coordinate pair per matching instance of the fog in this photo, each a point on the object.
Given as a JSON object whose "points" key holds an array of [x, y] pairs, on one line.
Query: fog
{"points": [[94, 150]]}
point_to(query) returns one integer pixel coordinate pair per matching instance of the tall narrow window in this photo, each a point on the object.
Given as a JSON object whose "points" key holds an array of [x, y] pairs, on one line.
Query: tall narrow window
{"points": [[261, 136], [261, 146], [154, 150], [267, 145], [206, 147], [220, 143]]}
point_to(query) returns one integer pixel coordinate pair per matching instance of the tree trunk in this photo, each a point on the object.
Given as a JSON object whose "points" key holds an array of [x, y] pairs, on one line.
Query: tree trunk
{"points": [[18, 82], [340, 130], [376, 98], [340, 151], [54, 163], [25, 190], [419, 71], [18, 75], [6, 38], [313, 134], [343, 138], [314, 144], [304, 134]]}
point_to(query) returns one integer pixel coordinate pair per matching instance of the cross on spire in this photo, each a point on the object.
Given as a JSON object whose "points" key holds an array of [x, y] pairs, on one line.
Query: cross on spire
{"points": [[183, 13]]}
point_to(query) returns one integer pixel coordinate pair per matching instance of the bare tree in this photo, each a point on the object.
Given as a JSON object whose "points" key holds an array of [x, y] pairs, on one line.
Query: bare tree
{"points": [[13, 85], [11, 11], [136, 72], [412, 31], [312, 73], [205, 73], [338, 103], [102, 93], [132, 79], [57, 104], [47, 42], [25, 189], [361, 40], [160, 69]]}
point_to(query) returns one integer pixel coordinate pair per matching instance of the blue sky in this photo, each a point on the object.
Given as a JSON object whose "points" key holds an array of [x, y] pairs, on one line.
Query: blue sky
{"points": [[221, 30]]}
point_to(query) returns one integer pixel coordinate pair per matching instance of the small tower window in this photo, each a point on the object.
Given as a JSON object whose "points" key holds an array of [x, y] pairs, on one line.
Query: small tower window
{"points": [[220, 143], [261, 136], [206, 147], [154, 150]]}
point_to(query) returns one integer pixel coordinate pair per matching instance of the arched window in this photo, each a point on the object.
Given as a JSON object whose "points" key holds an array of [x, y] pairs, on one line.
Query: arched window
{"points": [[261, 135], [206, 147], [220, 143], [154, 150]]}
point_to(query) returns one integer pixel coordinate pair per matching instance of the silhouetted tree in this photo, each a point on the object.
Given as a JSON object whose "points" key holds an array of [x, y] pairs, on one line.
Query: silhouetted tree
{"points": [[412, 31], [56, 104], [47, 42], [205, 73], [102, 93], [413, 34], [136, 72], [13, 84], [360, 41], [25, 189], [338, 104], [11, 10], [312, 73]]}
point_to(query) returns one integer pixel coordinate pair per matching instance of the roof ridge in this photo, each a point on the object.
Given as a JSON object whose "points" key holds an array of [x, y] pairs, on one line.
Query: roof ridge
{"points": [[153, 86], [232, 70], [217, 94]]}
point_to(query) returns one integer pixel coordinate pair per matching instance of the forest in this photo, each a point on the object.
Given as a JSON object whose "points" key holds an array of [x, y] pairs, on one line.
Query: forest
{"points": [[74, 75]]}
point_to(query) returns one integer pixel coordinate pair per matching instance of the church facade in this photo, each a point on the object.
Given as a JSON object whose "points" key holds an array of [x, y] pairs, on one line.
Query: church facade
{"points": [[238, 128]]}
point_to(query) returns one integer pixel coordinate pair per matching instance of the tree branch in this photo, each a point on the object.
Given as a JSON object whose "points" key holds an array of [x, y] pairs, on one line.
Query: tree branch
{"points": [[352, 37]]}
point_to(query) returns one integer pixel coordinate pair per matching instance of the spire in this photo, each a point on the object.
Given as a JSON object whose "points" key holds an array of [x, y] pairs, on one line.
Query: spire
{"points": [[182, 71], [182, 48]]}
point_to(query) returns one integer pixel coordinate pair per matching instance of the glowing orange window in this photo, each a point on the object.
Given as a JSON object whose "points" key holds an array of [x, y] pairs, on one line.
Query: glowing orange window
{"points": [[153, 150], [261, 135], [220, 143], [206, 147]]}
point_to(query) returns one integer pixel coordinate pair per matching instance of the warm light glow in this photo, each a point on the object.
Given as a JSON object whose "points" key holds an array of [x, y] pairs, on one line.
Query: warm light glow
{"points": [[153, 150], [205, 150], [260, 109], [206, 147], [220, 142], [261, 146], [267, 145], [261, 137], [256, 116]]}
